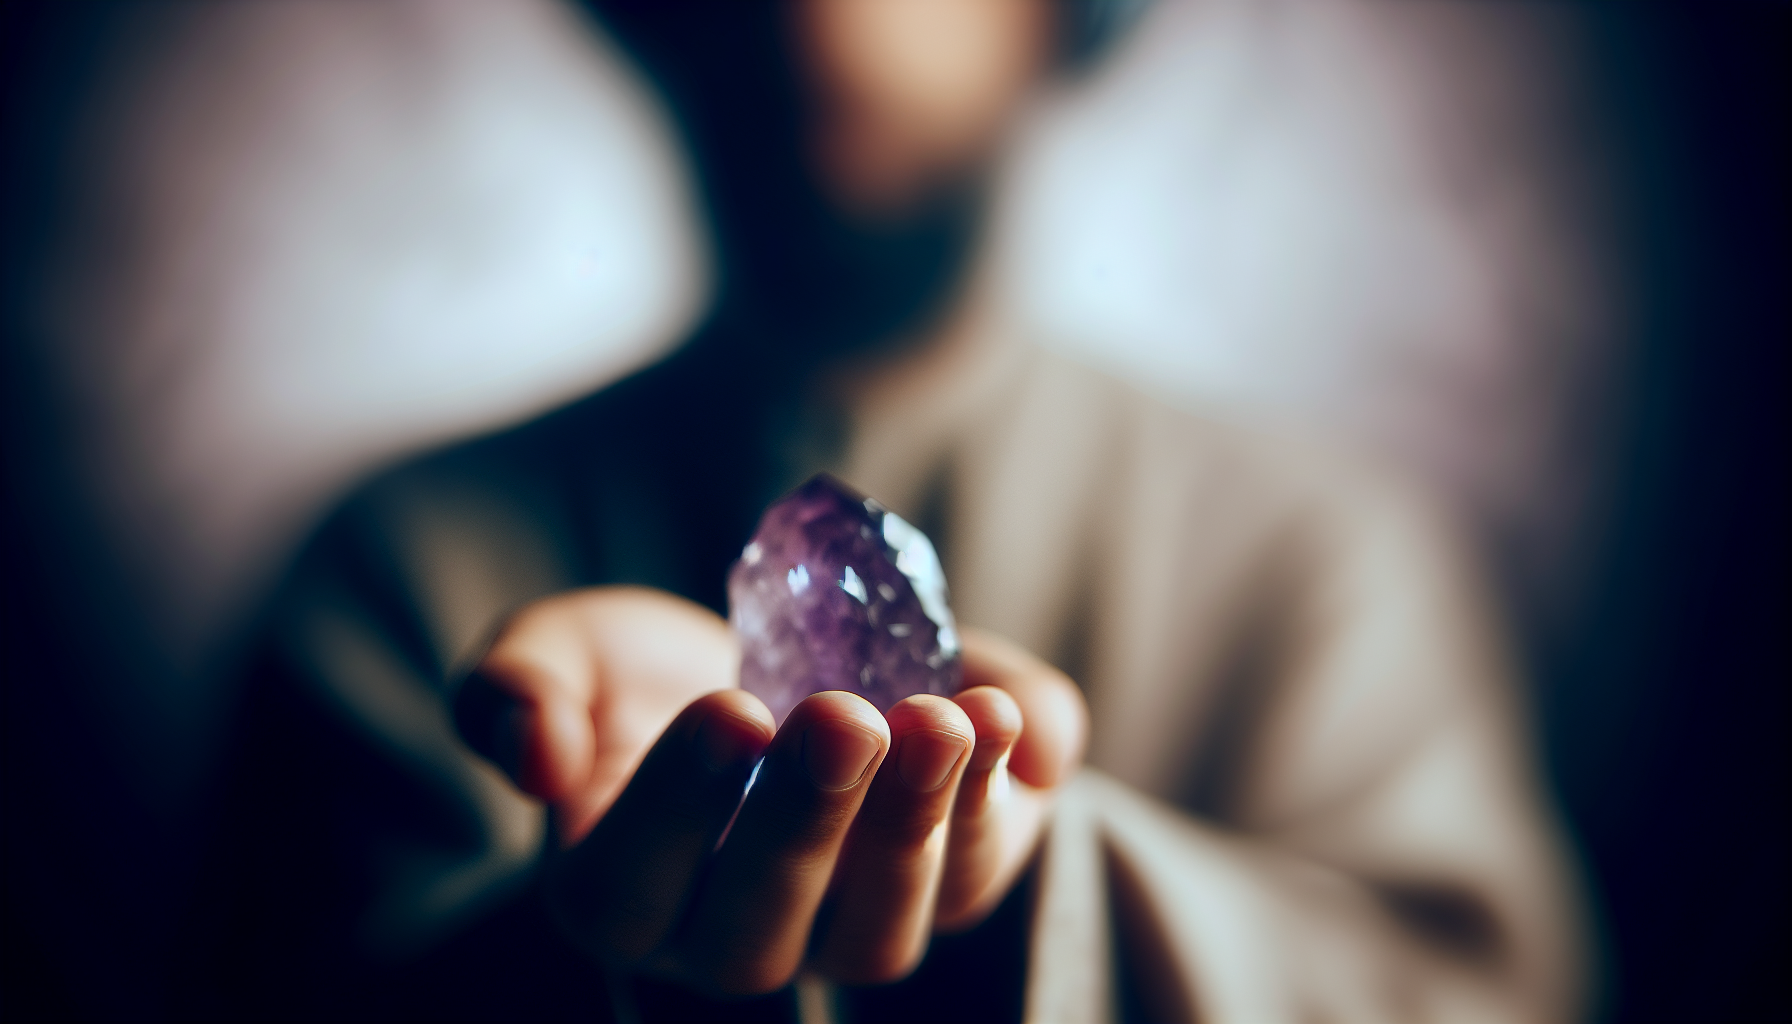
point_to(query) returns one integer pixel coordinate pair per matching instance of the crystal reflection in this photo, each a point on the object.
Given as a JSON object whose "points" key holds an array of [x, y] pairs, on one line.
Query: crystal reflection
{"points": [[918, 561]]}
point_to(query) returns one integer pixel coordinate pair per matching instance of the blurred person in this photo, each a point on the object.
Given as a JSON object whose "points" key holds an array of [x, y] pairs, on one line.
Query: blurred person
{"points": [[1313, 797]]}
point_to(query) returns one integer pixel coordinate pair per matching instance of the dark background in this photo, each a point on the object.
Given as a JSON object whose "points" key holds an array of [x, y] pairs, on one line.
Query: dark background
{"points": [[1662, 696], [1664, 701]]}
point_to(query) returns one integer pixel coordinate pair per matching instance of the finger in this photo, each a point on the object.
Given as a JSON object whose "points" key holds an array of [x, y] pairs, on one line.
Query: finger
{"points": [[545, 743], [651, 654], [749, 926], [1057, 720], [997, 724], [881, 909], [995, 820], [576, 687], [1031, 725], [526, 704], [621, 891]]}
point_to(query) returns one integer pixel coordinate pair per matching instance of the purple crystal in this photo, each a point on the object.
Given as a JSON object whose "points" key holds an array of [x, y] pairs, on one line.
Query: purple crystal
{"points": [[836, 592]]}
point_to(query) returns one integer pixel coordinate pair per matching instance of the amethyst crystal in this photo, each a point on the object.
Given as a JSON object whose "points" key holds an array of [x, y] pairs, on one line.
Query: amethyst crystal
{"points": [[836, 592]]}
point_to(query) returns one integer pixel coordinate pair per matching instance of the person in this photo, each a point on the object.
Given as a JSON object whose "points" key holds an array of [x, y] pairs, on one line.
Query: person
{"points": [[492, 746]]}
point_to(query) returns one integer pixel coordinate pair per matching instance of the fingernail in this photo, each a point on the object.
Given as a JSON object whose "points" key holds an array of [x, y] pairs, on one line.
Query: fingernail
{"points": [[927, 758], [836, 754], [724, 745]]}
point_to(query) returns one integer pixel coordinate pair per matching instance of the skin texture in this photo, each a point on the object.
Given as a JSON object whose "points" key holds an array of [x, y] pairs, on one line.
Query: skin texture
{"points": [[862, 835]]}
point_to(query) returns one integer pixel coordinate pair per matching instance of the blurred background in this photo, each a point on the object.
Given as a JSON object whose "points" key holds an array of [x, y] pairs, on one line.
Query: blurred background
{"points": [[1532, 255]]}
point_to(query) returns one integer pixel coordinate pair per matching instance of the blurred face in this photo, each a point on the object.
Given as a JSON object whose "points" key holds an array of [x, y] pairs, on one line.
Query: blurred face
{"points": [[911, 95]]}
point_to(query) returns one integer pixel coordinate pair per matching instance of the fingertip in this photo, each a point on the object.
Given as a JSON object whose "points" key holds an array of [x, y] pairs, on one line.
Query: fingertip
{"points": [[741, 705], [729, 729], [994, 714], [1051, 748], [841, 706], [925, 711], [838, 738], [930, 737]]}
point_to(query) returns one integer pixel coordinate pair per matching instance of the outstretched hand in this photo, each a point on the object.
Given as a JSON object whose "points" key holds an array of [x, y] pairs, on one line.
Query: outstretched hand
{"points": [[862, 834]]}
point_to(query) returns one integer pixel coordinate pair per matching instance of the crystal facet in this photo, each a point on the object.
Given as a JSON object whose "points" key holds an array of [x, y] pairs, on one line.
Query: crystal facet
{"points": [[836, 592]]}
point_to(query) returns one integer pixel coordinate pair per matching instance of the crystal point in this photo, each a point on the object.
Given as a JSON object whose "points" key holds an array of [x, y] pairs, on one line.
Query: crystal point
{"points": [[878, 625]]}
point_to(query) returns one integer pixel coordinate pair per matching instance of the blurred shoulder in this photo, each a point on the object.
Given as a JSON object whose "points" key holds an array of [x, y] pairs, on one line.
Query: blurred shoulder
{"points": [[1208, 460], [1256, 514], [1189, 570]]}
